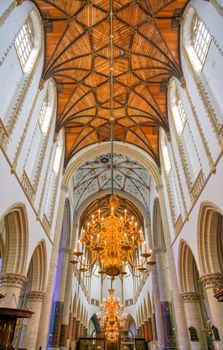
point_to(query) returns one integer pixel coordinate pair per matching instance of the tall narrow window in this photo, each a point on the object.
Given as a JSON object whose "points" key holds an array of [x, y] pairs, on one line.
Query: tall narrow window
{"points": [[24, 42], [171, 187], [42, 115], [56, 164], [200, 39], [181, 112]]}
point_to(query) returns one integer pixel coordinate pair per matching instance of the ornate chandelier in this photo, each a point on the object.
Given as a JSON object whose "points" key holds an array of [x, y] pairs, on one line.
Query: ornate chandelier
{"points": [[111, 317], [113, 242]]}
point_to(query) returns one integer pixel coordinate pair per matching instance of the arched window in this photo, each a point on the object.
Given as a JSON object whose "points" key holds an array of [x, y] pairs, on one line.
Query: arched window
{"points": [[37, 149], [203, 58], [200, 39], [169, 176], [54, 176], [22, 63], [185, 141], [24, 42]]}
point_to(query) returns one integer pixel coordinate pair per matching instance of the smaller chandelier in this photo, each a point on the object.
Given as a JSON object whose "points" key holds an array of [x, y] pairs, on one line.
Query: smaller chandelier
{"points": [[111, 317], [113, 242]]}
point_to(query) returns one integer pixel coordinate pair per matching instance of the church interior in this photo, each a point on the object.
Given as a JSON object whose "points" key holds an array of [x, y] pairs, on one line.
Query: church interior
{"points": [[111, 145]]}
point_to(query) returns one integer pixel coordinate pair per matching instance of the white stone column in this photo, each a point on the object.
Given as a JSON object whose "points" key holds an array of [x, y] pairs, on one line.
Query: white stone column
{"points": [[46, 309], [68, 289], [59, 295], [194, 319], [156, 297], [66, 309], [161, 265], [158, 313], [210, 282], [183, 337], [30, 326], [11, 285]]}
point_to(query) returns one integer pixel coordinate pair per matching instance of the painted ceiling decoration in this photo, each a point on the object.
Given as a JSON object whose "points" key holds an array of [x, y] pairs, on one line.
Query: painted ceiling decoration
{"points": [[146, 55], [94, 176]]}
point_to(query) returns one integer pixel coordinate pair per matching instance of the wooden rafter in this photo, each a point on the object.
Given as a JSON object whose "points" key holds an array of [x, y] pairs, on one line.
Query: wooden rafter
{"points": [[145, 55]]}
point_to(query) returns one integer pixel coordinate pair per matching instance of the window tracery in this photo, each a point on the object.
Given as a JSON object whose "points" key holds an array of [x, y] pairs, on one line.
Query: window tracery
{"points": [[200, 39], [24, 42]]}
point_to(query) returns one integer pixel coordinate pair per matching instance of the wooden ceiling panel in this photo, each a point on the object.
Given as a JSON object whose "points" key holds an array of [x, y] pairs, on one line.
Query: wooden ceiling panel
{"points": [[145, 35]]}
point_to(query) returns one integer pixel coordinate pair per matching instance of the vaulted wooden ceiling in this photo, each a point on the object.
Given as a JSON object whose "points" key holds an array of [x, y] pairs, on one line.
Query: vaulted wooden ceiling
{"points": [[146, 55]]}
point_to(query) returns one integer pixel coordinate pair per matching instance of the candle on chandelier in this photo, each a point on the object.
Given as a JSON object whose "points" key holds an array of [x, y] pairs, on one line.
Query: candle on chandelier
{"points": [[99, 213], [144, 243], [125, 211]]}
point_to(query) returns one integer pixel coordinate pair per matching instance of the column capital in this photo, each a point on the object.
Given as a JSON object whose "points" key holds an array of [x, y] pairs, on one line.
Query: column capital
{"points": [[12, 279], [190, 297], [212, 280], [35, 296]]}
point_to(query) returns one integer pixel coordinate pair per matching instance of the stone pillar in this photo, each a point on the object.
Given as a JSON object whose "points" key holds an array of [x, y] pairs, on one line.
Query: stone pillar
{"points": [[156, 299], [210, 282], [77, 330], [66, 308], [183, 337], [150, 330], [46, 309], [81, 330], [73, 333], [30, 328], [165, 299], [143, 331], [194, 319], [64, 335], [59, 294], [146, 328], [11, 285]]}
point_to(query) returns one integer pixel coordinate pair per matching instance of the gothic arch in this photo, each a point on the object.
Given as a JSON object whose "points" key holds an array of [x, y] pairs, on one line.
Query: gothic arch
{"points": [[37, 268], [127, 149], [209, 235], [16, 240], [187, 268]]}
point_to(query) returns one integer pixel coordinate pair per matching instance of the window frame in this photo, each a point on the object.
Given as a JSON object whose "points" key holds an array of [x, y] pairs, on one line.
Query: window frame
{"points": [[200, 39], [24, 42]]}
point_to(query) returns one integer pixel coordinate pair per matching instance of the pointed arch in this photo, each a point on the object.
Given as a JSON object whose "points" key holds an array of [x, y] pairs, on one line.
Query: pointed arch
{"points": [[37, 268], [16, 240], [187, 268], [209, 236]]}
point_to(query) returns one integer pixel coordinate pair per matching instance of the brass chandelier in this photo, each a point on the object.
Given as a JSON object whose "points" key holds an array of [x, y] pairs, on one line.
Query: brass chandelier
{"points": [[111, 317], [112, 242]]}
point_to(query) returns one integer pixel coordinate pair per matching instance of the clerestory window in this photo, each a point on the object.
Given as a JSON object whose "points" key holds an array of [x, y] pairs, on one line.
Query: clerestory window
{"points": [[24, 42], [200, 39]]}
